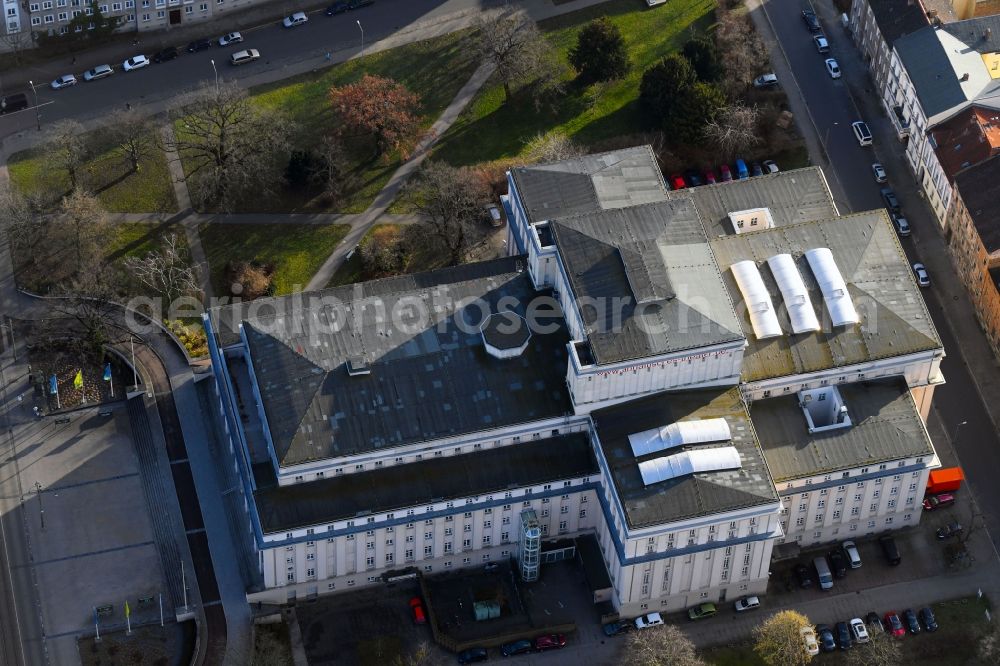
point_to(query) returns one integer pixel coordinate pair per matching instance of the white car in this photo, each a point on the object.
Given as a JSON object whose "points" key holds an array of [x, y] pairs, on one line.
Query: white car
{"points": [[746, 603], [822, 45], [64, 81], [231, 38], [243, 57], [853, 556], [923, 278], [862, 133], [98, 72], [809, 639], [879, 172], [135, 62], [765, 81], [859, 632], [648, 620], [770, 166], [298, 18], [832, 68]]}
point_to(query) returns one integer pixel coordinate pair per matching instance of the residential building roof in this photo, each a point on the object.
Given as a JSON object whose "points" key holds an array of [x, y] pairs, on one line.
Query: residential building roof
{"points": [[436, 479], [692, 495], [800, 195], [419, 370], [979, 187], [898, 18], [655, 261], [967, 139], [615, 179], [886, 426], [893, 316]]}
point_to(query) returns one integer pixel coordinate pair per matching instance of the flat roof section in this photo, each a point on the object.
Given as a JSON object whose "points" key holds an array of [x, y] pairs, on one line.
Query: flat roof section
{"points": [[654, 261], [894, 317], [886, 426], [692, 495], [283, 508]]}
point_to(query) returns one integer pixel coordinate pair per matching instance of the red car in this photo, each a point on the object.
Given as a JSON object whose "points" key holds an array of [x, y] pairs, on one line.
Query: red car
{"points": [[725, 173], [893, 624], [419, 617], [550, 642], [677, 182], [710, 177], [938, 501]]}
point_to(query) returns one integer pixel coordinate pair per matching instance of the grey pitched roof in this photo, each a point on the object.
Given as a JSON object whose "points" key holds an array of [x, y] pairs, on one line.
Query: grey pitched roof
{"points": [[437, 479], [615, 179], [688, 496], [930, 71], [654, 255], [886, 426], [979, 187], [426, 381], [801, 195], [894, 317], [898, 18]]}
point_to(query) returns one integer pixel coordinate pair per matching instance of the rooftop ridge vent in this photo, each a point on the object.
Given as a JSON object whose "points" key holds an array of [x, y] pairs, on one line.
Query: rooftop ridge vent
{"points": [[679, 434], [831, 283], [686, 463], [758, 300], [751, 219], [824, 409], [357, 365], [794, 293]]}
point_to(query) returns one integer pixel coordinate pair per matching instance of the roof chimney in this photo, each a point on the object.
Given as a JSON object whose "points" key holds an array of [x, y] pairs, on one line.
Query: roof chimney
{"points": [[965, 77], [988, 34]]}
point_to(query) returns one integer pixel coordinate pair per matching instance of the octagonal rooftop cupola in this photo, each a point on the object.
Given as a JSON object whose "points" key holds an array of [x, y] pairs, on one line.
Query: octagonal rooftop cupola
{"points": [[505, 334]]}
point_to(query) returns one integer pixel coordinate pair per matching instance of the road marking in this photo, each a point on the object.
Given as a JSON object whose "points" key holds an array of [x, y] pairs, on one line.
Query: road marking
{"points": [[93, 553]]}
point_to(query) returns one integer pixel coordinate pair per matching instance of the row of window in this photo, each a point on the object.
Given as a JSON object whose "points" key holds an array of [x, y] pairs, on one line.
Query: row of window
{"points": [[311, 573]]}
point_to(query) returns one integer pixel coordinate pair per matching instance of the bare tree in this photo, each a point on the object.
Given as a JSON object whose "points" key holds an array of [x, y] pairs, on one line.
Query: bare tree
{"points": [[736, 37], [422, 655], [90, 301], [449, 201], [24, 225], [16, 43], [512, 43], [665, 645], [778, 641], [167, 271], [383, 254], [734, 129], [230, 145], [881, 650], [334, 174], [68, 151], [134, 137], [84, 223], [552, 147]]}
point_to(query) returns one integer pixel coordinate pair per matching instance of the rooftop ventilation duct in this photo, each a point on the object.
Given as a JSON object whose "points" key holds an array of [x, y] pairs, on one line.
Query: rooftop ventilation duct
{"points": [[686, 463], [793, 291], [757, 299], [831, 283], [505, 334], [679, 434]]}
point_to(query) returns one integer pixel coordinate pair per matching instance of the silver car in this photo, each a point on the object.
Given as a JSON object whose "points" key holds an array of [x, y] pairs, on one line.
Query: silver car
{"points": [[64, 81], [98, 72]]}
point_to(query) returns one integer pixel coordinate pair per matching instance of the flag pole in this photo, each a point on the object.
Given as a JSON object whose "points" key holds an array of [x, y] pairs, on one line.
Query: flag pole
{"points": [[135, 374], [97, 627], [161, 609], [128, 620]]}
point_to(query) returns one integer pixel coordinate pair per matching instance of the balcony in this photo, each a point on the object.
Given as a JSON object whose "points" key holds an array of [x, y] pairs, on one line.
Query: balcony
{"points": [[900, 122]]}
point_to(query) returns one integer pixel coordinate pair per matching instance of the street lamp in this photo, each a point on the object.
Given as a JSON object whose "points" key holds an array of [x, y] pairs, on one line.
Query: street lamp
{"points": [[216, 76], [38, 113], [954, 435], [362, 37]]}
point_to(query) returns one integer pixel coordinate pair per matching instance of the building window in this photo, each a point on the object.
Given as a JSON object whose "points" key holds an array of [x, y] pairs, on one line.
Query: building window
{"points": [[389, 558], [564, 509], [467, 528], [562, 525], [874, 507], [888, 520], [871, 524], [466, 544], [583, 513], [836, 515], [409, 552], [486, 539], [856, 511], [428, 550], [800, 521], [370, 561], [447, 546], [820, 504]]}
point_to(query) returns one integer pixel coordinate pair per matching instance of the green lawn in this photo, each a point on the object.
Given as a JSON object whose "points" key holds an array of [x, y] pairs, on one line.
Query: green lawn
{"points": [[295, 251], [149, 190], [489, 129]]}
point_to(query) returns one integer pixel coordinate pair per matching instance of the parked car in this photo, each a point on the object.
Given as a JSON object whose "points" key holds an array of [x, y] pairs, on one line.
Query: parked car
{"points": [[64, 81], [901, 223], [941, 499], [199, 45], [893, 624], [948, 531], [844, 641], [838, 563], [98, 72], [648, 620], [809, 18], [770, 166], [550, 642], [245, 56], [832, 68], [473, 655], [862, 133], [231, 38], [616, 628], [822, 45], [341, 7], [890, 550], [756, 169], [765, 81], [853, 556], [803, 575], [910, 619], [417, 608], [889, 197], [823, 573], [924, 280], [702, 610], [874, 621], [492, 566], [741, 169], [747, 603], [693, 178], [298, 18], [12, 103], [927, 619], [135, 62], [165, 55], [879, 172], [809, 640], [826, 640], [859, 631], [517, 647], [725, 174], [710, 177], [677, 182]]}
